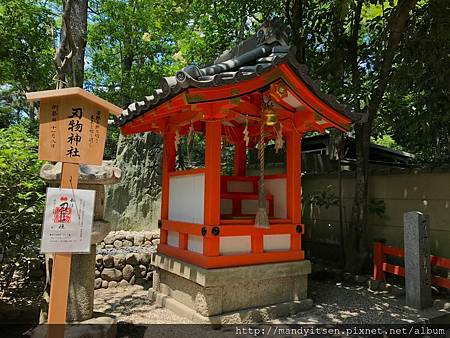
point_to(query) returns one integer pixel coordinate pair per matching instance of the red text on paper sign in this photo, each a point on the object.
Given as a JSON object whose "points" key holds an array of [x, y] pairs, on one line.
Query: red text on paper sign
{"points": [[62, 213]]}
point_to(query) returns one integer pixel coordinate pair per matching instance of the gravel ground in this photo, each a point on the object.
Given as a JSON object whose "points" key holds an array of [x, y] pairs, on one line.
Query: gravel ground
{"points": [[337, 303], [132, 305], [342, 303]]}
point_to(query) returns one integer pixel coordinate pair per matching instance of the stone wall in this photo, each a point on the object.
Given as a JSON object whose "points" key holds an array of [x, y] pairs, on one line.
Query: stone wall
{"points": [[122, 270], [123, 258], [123, 239]]}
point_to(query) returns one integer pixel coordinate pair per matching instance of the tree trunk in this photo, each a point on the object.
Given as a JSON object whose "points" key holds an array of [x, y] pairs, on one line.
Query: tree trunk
{"points": [[78, 22], [69, 58], [357, 248], [295, 17]]}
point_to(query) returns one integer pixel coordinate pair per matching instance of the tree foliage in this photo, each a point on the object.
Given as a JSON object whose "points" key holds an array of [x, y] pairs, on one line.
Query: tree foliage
{"points": [[21, 191]]}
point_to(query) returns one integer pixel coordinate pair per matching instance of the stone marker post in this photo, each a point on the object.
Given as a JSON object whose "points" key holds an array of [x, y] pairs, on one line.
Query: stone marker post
{"points": [[417, 260]]}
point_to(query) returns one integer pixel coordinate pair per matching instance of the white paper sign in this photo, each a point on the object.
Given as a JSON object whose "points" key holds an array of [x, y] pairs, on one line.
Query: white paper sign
{"points": [[68, 218]]}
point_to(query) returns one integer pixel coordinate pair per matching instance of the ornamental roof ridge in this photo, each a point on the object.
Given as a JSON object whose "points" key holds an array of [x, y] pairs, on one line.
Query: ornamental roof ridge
{"points": [[254, 56]]}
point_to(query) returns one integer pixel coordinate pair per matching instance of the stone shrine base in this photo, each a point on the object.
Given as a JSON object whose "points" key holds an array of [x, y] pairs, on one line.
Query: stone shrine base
{"points": [[245, 294]]}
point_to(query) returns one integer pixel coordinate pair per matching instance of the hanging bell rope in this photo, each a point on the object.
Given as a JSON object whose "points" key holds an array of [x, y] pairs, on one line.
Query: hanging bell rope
{"points": [[261, 218]]}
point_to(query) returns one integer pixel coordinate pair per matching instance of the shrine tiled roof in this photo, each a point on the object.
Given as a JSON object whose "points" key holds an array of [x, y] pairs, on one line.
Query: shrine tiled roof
{"points": [[251, 58]]}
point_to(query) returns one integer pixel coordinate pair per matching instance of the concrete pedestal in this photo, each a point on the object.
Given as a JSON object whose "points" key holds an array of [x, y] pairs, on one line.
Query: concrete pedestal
{"points": [[245, 294]]}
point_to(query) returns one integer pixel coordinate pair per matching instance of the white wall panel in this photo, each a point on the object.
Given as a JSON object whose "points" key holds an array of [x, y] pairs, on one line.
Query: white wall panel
{"points": [[195, 243], [186, 198], [277, 187], [173, 238], [232, 245], [277, 242]]}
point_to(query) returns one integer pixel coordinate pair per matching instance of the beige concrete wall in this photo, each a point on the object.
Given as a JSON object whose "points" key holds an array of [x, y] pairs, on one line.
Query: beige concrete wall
{"points": [[428, 192]]}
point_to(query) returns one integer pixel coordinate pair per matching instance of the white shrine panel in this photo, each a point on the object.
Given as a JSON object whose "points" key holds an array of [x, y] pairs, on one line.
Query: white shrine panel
{"points": [[186, 198]]}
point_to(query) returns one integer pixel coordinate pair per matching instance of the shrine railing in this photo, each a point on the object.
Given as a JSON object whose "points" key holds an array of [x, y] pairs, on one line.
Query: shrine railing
{"points": [[380, 266], [223, 245]]}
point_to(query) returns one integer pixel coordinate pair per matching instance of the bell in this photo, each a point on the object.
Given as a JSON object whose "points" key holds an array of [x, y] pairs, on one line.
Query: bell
{"points": [[270, 117]]}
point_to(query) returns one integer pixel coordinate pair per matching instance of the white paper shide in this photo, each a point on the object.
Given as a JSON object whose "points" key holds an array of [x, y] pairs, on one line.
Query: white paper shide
{"points": [[69, 214]]}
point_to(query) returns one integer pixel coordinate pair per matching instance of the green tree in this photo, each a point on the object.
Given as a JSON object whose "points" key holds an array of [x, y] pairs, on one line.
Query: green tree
{"points": [[26, 55], [415, 111], [21, 192]]}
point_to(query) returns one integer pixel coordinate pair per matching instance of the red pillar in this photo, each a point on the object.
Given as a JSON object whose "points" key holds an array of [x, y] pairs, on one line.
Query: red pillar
{"points": [[293, 173], [212, 186], [378, 260], [168, 165]]}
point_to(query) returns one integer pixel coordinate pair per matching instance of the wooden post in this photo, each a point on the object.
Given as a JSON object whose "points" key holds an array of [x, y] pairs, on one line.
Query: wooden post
{"points": [[378, 259], [168, 165], [212, 185], [59, 289], [293, 173]]}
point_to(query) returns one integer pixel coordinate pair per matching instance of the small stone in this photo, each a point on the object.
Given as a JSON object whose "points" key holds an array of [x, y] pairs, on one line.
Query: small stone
{"points": [[147, 243], [105, 284], [131, 258], [109, 246], [119, 236], [109, 239], [123, 283], [108, 261], [140, 271], [138, 239], [148, 236], [133, 280], [97, 283], [98, 260], [97, 273], [127, 243], [145, 259], [101, 245], [119, 261], [128, 272], [117, 244], [112, 284], [155, 241], [111, 274], [129, 237], [149, 276]]}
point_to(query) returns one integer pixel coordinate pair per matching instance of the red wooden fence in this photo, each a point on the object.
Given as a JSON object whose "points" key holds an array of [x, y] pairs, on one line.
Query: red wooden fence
{"points": [[380, 266]]}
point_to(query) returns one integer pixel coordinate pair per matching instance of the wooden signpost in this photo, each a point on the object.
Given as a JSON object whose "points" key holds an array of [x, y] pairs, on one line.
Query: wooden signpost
{"points": [[72, 130]]}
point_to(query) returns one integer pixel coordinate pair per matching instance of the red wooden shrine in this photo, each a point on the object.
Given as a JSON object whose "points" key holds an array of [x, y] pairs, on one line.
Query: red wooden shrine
{"points": [[208, 219]]}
